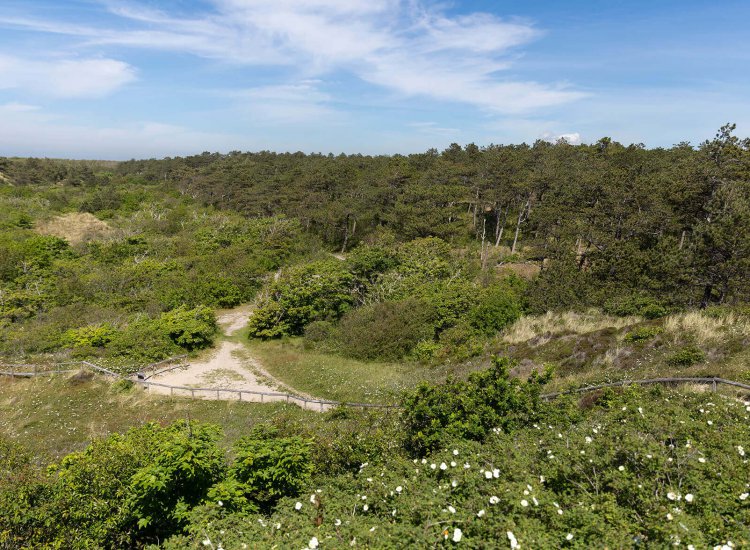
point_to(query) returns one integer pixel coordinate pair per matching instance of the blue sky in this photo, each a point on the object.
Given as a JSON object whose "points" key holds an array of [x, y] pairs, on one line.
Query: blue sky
{"points": [[145, 78]]}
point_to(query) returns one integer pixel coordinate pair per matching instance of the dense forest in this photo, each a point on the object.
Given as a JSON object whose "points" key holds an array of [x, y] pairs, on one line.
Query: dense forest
{"points": [[459, 286]]}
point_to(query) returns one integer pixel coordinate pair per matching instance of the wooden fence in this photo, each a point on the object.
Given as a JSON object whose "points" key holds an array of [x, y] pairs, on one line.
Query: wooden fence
{"points": [[712, 381], [320, 405]]}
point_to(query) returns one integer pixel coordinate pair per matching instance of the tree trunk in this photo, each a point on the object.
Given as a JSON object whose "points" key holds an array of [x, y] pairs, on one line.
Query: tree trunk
{"points": [[518, 226], [484, 254], [682, 239], [500, 228]]}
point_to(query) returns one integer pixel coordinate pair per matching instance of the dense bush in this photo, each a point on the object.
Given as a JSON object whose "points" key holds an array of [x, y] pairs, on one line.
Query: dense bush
{"points": [[314, 291], [386, 330], [498, 306], [635, 304], [489, 400]]}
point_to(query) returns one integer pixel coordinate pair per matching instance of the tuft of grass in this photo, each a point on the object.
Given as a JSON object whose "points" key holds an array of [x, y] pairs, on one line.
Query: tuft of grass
{"points": [[570, 322], [705, 329]]}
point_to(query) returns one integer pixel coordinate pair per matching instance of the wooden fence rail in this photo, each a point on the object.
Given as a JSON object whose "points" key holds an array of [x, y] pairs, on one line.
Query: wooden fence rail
{"points": [[713, 381], [22, 370]]}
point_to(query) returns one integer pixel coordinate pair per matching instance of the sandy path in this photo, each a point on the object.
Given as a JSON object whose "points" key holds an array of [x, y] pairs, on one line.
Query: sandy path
{"points": [[228, 367]]}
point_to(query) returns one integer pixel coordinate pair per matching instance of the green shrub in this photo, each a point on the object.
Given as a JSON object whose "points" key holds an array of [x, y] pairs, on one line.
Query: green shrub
{"points": [[636, 304], [387, 330], [687, 356], [498, 307], [425, 350], [305, 293], [488, 400], [90, 336], [643, 333], [267, 468], [189, 328]]}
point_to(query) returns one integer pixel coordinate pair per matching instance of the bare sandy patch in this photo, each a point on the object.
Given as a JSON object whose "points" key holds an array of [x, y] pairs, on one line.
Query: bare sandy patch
{"points": [[226, 371], [76, 227]]}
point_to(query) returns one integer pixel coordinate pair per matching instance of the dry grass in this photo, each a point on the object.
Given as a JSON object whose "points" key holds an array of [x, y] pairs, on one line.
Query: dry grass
{"points": [[704, 329], [526, 270], [76, 227], [551, 324]]}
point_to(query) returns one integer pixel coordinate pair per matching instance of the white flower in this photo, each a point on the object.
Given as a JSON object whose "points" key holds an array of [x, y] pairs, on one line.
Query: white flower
{"points": [[220, 503], [689, 497], [488, 474], [701, 460], [453, 464], [298, 506], [455, 452], [569, 536], [495, 500], [536, 502], [480, 513], [524, 503], [313, 543], [337, 522], [365, 508], [744, 496], [443, 466], [207, 542], [496, 473], [424, 461], [513, 540], [559, 512], [454, 483], [621, 468], [451, 509], [457, 534], [741, 450], [669, 517], [312, 499], [710, 422], [467, 465], [433, 466], [399, 489], [671, 496], [588, 439]]}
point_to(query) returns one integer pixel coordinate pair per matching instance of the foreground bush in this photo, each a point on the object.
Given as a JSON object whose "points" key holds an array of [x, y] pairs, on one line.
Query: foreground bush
{"points": [[488, 401]]}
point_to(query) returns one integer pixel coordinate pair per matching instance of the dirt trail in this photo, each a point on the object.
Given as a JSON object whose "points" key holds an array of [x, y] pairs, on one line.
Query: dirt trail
{"points": [[230, 366]]}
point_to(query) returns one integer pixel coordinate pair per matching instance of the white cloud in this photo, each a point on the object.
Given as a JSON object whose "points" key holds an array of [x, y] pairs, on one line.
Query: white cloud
{"points": [[65, 78], [401, 45], [574, 138]]}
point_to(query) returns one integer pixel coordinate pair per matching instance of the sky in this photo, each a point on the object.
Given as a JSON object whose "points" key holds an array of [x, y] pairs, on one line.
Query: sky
{"points": [[105, 79]]}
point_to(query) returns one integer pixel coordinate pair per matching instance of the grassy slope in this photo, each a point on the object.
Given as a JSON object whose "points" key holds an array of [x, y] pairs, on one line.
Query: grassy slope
{"points": [[335, 377], [57, 415]]}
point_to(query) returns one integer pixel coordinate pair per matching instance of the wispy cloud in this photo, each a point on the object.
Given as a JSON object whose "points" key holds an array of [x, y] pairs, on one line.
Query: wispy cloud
{"points": [[27, 130], [404, 46], [65, 78]]}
